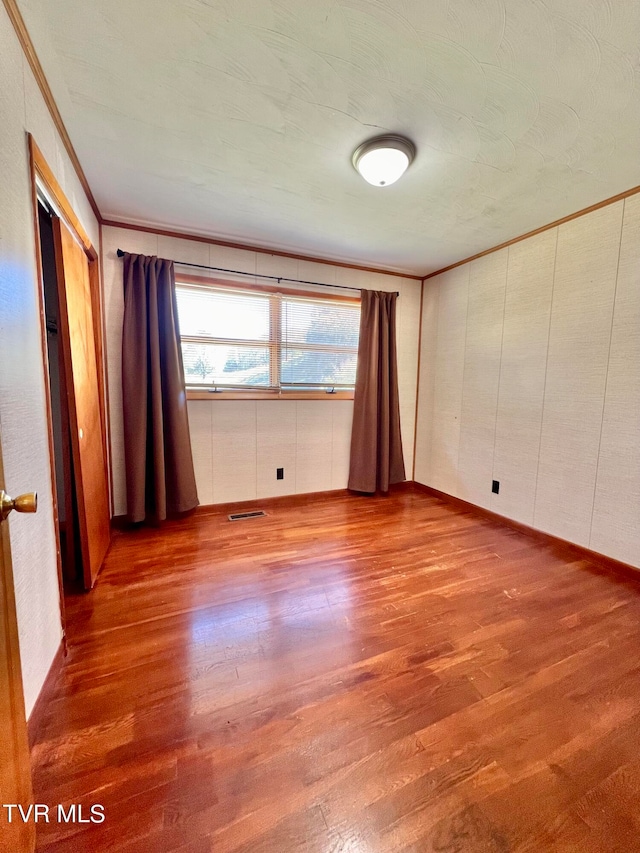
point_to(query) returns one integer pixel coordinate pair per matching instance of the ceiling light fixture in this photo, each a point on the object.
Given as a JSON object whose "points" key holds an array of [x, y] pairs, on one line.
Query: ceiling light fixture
{"points": [[381, 161]]}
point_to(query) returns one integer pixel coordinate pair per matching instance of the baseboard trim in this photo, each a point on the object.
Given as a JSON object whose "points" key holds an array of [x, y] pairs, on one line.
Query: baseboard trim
{"points": [[119, 522], [272, 502], [36, 718], [568, 548]]}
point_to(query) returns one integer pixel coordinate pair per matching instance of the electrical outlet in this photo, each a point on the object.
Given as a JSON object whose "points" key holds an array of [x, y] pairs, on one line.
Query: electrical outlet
{"points": [[279, 473], [495, 487]]}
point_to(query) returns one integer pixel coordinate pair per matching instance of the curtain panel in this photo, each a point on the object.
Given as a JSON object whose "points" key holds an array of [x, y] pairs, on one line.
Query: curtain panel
{"points": [[376, 459], [159, 463]]}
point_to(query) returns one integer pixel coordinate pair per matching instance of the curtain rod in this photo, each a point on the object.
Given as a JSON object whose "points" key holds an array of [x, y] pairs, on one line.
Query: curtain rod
{"points": [[277, 278]]}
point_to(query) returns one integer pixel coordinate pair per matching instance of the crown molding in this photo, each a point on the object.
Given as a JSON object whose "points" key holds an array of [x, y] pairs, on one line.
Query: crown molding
{"points": [[29, 51], [262, 250], [611, 200]]}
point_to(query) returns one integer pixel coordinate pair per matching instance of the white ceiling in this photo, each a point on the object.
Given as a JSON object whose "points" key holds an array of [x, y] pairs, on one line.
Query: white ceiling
{"points": [[237, 118]]}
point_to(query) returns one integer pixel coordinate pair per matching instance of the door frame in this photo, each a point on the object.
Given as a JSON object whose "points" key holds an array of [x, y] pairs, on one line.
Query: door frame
{"points": [[43, 179]]}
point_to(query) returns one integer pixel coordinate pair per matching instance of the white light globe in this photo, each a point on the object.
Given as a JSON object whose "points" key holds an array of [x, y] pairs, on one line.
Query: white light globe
{"points": [[383, 160], [383, 166]]}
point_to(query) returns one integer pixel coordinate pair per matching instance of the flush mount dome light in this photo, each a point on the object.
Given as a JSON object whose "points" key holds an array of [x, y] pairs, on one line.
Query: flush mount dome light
{"points": [[381, 161]]}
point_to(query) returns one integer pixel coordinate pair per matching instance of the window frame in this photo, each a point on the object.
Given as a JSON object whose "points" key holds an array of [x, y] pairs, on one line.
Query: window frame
{"points": [[274, 344]]}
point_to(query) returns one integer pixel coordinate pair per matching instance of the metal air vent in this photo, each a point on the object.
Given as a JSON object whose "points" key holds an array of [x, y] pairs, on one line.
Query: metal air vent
{"points": [[254, 513]]}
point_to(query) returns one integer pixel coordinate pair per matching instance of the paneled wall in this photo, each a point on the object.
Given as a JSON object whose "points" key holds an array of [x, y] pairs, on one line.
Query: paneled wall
{"points": [[23, 424], [481, 373], [237, 445], [530, 375]]}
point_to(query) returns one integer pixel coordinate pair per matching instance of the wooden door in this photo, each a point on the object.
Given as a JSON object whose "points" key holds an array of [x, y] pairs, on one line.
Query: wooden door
{"points": [[83, 397], [15, 770]]}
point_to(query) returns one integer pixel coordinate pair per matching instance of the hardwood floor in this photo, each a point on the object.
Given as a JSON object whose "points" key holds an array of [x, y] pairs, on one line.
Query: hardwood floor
{"points": [[363, 675]]}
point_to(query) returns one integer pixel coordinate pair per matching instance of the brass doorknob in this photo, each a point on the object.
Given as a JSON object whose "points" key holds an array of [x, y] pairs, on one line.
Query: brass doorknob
{"points": [[23, 503]]}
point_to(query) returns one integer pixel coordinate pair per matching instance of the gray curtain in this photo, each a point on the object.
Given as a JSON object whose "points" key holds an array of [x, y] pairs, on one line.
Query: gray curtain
{"points": [[159, 464], [376, 443]]}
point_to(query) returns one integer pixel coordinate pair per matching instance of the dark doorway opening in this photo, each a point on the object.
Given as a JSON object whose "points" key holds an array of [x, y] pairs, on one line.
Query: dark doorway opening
{"points": [[71, 555]]}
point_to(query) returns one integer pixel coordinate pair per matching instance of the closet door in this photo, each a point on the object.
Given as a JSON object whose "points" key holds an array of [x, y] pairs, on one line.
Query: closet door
{"points": [[83, 396]]}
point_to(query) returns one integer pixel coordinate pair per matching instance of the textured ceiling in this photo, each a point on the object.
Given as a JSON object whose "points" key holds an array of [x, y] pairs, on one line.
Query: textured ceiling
{"points": [[237, 119]]}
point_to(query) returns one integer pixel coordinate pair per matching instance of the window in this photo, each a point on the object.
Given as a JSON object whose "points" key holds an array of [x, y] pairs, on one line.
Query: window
{"points": [[275, 342]]}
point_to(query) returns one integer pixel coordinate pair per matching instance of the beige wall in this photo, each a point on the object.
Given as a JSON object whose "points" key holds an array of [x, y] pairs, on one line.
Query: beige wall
{"points": [[238, 445], [530, 375], [22, 402]]}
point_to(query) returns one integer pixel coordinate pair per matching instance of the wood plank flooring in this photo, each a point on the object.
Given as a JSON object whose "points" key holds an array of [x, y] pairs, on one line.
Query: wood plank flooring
{"points": [[351, 675]]}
